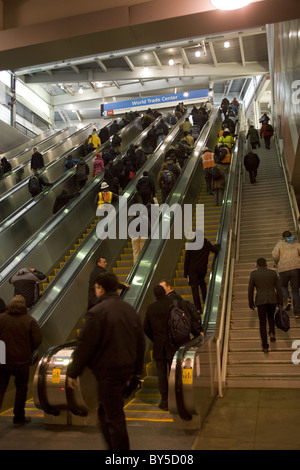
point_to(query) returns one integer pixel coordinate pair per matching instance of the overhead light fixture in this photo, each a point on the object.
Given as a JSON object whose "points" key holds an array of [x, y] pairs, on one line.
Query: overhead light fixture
{"points": [[226, 44], [80, 91], [229, 4], [171, 62], [198, 53]]}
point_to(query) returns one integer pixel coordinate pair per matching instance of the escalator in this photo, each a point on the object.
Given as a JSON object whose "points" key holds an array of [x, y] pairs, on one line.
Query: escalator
{"points": [[16, 198], [46, 247], [20, 226], [21, 164]]}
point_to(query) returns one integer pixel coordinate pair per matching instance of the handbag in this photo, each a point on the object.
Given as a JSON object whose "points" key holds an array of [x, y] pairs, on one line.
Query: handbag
{"points": [[282, 319]]}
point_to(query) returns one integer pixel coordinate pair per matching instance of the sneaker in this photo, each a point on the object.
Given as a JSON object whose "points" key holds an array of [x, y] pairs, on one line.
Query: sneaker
{"points": [[287, 304], [22, 423], [272, 337]]}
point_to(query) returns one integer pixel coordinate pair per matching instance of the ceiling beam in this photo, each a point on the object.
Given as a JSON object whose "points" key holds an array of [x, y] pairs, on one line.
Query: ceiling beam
{"points": [[235, 69]]}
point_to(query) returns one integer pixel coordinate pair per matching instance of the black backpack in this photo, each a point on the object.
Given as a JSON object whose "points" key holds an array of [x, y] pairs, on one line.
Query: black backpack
{"points": [[269, 128], [220, 154], [179, 326], [215, 173], [34, 185]]}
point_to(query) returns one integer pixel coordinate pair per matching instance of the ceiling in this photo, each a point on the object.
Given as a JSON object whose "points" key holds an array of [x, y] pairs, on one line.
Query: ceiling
{"points": [[84, 66], [77, 86]]}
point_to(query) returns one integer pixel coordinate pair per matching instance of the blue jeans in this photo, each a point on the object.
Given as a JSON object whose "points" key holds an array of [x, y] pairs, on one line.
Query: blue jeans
{"points": [[291, 277]]}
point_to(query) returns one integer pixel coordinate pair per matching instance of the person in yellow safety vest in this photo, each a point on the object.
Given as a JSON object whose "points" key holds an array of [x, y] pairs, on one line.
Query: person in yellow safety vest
{"points": [[105, 196], [208, 161], [94, 140], [227, 139]]}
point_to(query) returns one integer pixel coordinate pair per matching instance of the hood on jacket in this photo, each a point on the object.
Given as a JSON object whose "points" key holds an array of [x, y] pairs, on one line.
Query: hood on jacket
{"points": [[17, 306]]}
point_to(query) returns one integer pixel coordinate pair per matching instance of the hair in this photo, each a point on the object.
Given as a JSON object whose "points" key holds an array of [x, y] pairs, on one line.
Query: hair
{"points": [[286, 233], [159, 291], [19, 299], [108, 281], [167, 282], [261, 262]]}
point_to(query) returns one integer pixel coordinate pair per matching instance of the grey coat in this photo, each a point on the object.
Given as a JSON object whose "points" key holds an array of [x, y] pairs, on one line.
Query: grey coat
{"points": [[267, 285]]}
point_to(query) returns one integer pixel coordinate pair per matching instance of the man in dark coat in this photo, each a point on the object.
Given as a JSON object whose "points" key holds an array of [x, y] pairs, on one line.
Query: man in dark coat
{"points": [[21, 336], [37, 160], [145, 188], [196, 324], [251, 163], [26, 283], [112, 344], [268, 295], [195, 269], [156, 329], [104, 134], [100, 268]]}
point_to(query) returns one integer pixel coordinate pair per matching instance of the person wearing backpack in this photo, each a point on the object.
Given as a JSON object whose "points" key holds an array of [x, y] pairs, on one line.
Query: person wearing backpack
{"points": [[70, 163], [98, 164], [253, 137], [266, 132], [166, 180], [251, 163], [145, 188], [268, 294], [186, 306], [37, 183], [82, 172], [156, 328]]}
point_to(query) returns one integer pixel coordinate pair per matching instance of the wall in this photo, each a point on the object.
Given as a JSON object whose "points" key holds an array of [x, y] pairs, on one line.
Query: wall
{"points": [[286, 82]]}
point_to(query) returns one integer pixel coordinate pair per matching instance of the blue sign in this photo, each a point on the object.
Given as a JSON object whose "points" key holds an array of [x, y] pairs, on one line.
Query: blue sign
{"points": [[161, 100]]}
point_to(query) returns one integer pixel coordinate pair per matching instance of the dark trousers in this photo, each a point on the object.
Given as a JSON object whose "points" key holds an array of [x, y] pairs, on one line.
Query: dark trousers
{"points": [[110, 412], [267, 139], [291, 277], [197, 280], [21, 374], [266, 312], [163, 369], [252, 175]]}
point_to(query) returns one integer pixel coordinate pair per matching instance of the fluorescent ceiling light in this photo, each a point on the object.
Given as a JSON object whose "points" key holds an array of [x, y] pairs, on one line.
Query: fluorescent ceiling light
{"points": [[229, 4]]}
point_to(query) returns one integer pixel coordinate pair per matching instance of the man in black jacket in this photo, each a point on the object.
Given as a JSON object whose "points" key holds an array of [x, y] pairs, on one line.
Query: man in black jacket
{"points": [[112, 344], [251, 163], [195, 269], [196, 324], [156, 329], [268, 294], [21, 336], [26, 283], [37, 160], [100, 268]]}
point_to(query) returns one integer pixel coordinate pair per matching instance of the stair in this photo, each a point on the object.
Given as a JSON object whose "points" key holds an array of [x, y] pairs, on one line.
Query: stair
{"points": [[265, 214]]}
